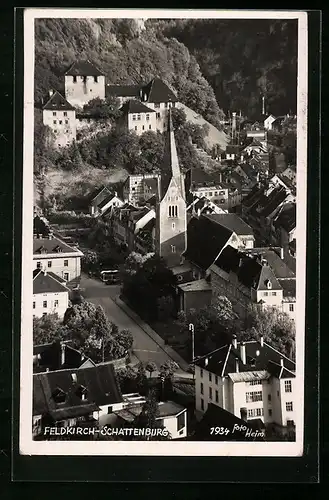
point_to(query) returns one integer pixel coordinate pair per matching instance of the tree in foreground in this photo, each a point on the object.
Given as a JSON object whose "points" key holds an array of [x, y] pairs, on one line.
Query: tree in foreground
{"points": [[151, 367], [149, 418]]}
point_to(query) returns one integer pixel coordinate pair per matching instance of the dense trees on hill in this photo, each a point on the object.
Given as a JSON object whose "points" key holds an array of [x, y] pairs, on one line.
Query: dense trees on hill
{"points": [[126, 53], [242, 59]]}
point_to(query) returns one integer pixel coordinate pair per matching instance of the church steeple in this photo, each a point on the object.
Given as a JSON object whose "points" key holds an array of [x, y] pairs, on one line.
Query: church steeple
{"points": [[170, 164], [171, 206]]}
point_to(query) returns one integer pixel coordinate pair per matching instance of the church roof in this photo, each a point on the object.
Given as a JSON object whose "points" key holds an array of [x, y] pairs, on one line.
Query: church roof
{"points": [[157, 91]]}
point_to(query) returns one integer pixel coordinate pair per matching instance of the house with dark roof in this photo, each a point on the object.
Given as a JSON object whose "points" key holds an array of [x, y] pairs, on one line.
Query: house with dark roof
{"points": [[137, 117], [197, 206], [137, 221], [59, 115], [252, 276], [52, 254], [206, 238], [233, 222], [65, 398], [84, 82], [284, 232], [155, 95], [103, 200], [50, 294], [250, 380]]}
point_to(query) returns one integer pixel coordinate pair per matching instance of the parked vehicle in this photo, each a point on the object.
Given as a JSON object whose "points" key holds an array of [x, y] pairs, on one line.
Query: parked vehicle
{"points": [[107, 275]]}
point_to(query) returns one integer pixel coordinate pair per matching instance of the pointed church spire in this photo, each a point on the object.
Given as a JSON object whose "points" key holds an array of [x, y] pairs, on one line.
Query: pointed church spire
{"points": [[170, 166]]}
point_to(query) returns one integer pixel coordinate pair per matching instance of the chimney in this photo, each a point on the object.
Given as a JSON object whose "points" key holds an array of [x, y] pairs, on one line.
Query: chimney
{"points": [[233, 124], [281, 362], [45, 272], [263, 105], [62, 354], [243, 352], [51, 93], [282, 253], [115, 193], [50, 235], [234, 342], [262, 340], [199, 212], [236, 365], [206, 362]]}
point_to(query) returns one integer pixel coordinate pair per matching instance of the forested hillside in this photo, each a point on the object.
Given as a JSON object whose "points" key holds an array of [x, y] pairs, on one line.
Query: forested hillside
{"points": [[126, 53], [242, 59]]}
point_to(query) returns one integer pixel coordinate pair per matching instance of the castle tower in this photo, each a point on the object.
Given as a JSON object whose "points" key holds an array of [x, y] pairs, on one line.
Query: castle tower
{"points": [[171, 239], [84, 82]]}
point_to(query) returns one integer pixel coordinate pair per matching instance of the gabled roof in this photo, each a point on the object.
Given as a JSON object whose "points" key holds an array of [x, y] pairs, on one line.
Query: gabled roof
{"points": [[107, 200], [198, 177], [157, 91], [266, 204], [83, 68], [205, 240], [44, 282], [267, 276], [278, 266], [247, 269], [99, 194], [232, 222], [58, 103], [52, 245], [133, 106], [288, 286], [169, 409], [99, 381], [259, 360]]}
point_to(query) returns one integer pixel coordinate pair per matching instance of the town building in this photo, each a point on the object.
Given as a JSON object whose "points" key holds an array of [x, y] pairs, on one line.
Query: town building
{"points": [[155, 95], [253, 276], [66, 398], [171, 220], [103, 201], [209, 185], [59, 115], [284, 233], [137, 221], [197, 206], [234, 223], [268, 122], [84, 82], [50, 294], [290, 173], [251, 380], [137, 117], [53, 255], [139, 188], [262, 204], [171, 416]]}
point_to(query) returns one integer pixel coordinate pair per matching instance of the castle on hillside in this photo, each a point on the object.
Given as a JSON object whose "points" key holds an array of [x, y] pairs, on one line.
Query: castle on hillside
{"points": [[144, 107]]}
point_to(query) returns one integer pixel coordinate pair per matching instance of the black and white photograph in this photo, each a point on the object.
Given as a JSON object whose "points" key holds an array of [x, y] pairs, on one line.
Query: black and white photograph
{"points": [[164, 232]]}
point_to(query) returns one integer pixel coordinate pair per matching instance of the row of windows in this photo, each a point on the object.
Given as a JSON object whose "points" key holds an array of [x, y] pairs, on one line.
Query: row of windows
{"points": [[45, 304], [255, 382], [266, 294], [50, 263], [256, 412], [138, 117], [60, 122], [173, 210], [252, 397], [84, 79], [56, 131], [55, 113], [143, 127], [287, 386], [166, 104]]}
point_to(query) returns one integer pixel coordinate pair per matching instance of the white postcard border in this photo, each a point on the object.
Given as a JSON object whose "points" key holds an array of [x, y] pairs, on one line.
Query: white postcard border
{"points": [[27, 445]]}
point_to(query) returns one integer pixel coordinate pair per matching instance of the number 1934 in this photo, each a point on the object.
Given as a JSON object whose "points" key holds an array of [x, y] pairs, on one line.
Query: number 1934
{"points": [[219, 431]]}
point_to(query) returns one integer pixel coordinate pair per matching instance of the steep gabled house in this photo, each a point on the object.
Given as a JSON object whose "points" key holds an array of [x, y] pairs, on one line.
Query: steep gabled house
{"points": [[59, 115], [50, 294], [137, 117]]}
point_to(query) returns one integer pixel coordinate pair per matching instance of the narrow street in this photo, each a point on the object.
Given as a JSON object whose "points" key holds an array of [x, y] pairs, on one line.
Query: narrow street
{"points": [[145, 348]]}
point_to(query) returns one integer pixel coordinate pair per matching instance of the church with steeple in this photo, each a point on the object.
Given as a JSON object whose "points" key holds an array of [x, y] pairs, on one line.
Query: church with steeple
{"points": [[171, 224]]}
